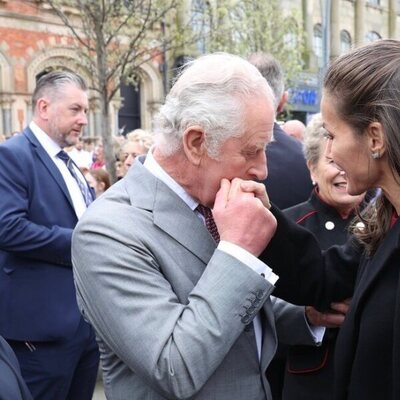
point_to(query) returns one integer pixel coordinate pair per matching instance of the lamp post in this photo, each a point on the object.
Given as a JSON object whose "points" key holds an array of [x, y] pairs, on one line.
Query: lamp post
{"points": [[326, 32]]}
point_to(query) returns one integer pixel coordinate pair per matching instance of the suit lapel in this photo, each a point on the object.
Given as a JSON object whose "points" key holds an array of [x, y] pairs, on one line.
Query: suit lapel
{"points": [[170, 213], [48, 163]]}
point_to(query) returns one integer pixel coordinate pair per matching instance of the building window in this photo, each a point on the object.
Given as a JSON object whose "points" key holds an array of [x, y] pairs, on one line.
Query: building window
{"points": [[345, 41], [317, 43], [371, 36]]}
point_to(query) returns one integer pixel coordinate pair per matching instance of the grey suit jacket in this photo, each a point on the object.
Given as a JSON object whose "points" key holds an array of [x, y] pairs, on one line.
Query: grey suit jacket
{"points": [[171, 312]]}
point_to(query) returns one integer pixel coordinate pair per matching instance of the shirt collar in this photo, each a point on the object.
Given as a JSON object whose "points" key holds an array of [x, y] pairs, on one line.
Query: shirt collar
{"points": [[155, 168], [50, 146]]}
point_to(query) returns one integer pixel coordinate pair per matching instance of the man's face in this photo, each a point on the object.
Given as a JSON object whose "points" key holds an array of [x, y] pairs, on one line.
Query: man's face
{"points": [[242, 157], [67, 115]]}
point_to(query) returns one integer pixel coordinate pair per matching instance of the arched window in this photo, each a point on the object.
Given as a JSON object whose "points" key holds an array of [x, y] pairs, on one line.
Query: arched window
{"points": [[371, 36], [129, 113], [317, 43], [345, 41]]}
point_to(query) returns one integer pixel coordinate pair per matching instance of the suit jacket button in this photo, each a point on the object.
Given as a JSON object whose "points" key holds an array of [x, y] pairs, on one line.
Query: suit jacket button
{"points": [[260, 294], [246, 319], [250, 310]]}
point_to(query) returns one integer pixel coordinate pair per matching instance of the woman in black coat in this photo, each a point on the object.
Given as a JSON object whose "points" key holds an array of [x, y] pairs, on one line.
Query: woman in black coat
{"points": [[327, 214], [361, 113]]}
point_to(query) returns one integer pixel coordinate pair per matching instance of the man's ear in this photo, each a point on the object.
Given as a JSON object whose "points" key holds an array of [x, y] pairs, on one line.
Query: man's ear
{"points": [[376, 139], [194, 144], [42, 108]]}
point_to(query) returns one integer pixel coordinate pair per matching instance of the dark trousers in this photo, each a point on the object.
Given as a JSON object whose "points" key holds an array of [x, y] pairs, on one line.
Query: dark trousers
{"points": [[60, 370]]}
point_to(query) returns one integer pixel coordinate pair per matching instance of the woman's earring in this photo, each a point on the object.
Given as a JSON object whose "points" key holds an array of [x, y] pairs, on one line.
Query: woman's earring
{"points": [[375, 155]]}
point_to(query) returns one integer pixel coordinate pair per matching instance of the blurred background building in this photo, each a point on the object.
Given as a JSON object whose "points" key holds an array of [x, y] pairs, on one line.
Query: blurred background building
{"points": [[34, 40]]}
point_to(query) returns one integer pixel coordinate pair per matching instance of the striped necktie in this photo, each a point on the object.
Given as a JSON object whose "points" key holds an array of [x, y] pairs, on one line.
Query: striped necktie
{"points": [[87, 196], [209, 220]]}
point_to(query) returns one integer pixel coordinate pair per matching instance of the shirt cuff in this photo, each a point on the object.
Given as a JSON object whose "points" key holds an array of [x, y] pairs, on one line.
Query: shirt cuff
{"points": [[248, 259], [317, 332]]}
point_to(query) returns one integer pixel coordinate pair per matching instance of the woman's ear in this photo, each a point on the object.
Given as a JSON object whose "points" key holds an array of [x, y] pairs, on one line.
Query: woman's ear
{"points": [[312, 167], [376, 139], [194, 144]]}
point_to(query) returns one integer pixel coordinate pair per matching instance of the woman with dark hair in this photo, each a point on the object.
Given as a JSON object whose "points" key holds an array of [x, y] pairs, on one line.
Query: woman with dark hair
{"points": [[361, 113], [327, 214]]}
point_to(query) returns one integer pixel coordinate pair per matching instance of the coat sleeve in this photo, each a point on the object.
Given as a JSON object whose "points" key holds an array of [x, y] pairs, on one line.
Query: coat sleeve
{"points": [[18, 234], [308, 275], [291, 324]]}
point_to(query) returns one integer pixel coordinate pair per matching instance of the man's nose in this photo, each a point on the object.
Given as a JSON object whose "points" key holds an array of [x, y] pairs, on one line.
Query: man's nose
{"points": [[259, 170], [83, 119]]}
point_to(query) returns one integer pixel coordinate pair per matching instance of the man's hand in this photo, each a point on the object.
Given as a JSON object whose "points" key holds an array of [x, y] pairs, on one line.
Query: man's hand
{"points": [[333, 319], [242, 217]]}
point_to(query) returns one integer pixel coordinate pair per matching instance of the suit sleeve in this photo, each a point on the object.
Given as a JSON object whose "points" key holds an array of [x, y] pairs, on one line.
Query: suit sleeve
{"points": [[308, 275], [18, 234], [291, 325]]}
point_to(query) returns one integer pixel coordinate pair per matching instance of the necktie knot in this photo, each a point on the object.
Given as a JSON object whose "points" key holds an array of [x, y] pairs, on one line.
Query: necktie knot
{"points": [[209, 221], [63, 156]]}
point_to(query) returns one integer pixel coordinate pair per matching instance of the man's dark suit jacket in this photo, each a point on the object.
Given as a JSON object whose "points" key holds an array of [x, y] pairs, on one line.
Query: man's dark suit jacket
{"points": [[12, 386], [288, 182], [37, 294]]}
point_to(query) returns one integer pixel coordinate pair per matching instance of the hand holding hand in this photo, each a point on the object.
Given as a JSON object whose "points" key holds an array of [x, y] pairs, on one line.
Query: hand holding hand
{"points": [[333, 319], [241, 215]]}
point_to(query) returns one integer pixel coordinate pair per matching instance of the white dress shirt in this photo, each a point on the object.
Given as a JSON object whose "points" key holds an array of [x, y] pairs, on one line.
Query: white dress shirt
{"points": [[52, 149]]}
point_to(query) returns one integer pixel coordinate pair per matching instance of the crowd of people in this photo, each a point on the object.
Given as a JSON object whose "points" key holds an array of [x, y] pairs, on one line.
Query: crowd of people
{"points": [[231, 262]]}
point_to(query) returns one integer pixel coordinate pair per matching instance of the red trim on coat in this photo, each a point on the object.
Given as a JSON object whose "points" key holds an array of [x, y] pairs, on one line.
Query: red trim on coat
{"points": [[307, 371], [301, 219]]}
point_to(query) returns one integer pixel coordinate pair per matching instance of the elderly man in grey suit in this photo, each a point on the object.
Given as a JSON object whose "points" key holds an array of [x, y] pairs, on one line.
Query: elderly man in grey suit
{"points": [[182, 309]]}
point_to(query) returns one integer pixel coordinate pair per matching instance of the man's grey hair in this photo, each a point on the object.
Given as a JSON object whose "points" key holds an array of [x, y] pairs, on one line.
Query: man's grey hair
{"points": [[271, 70], [211, 92], [51, 83]]}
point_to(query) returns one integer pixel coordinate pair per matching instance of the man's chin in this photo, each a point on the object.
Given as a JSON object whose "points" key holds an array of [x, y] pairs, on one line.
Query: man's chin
{"points": [[72, 139]]}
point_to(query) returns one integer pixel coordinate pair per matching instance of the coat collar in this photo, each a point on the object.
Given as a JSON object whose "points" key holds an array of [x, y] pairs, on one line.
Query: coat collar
{"points": [[373, 267], [170, 213]]}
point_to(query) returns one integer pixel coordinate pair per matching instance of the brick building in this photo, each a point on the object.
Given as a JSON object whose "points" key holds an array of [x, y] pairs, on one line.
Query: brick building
{"points": [[32, 41]]}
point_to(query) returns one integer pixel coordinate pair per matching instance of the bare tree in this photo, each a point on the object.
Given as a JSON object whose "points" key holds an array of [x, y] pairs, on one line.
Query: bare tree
{"points": [[246, 26], [114, 38]]}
